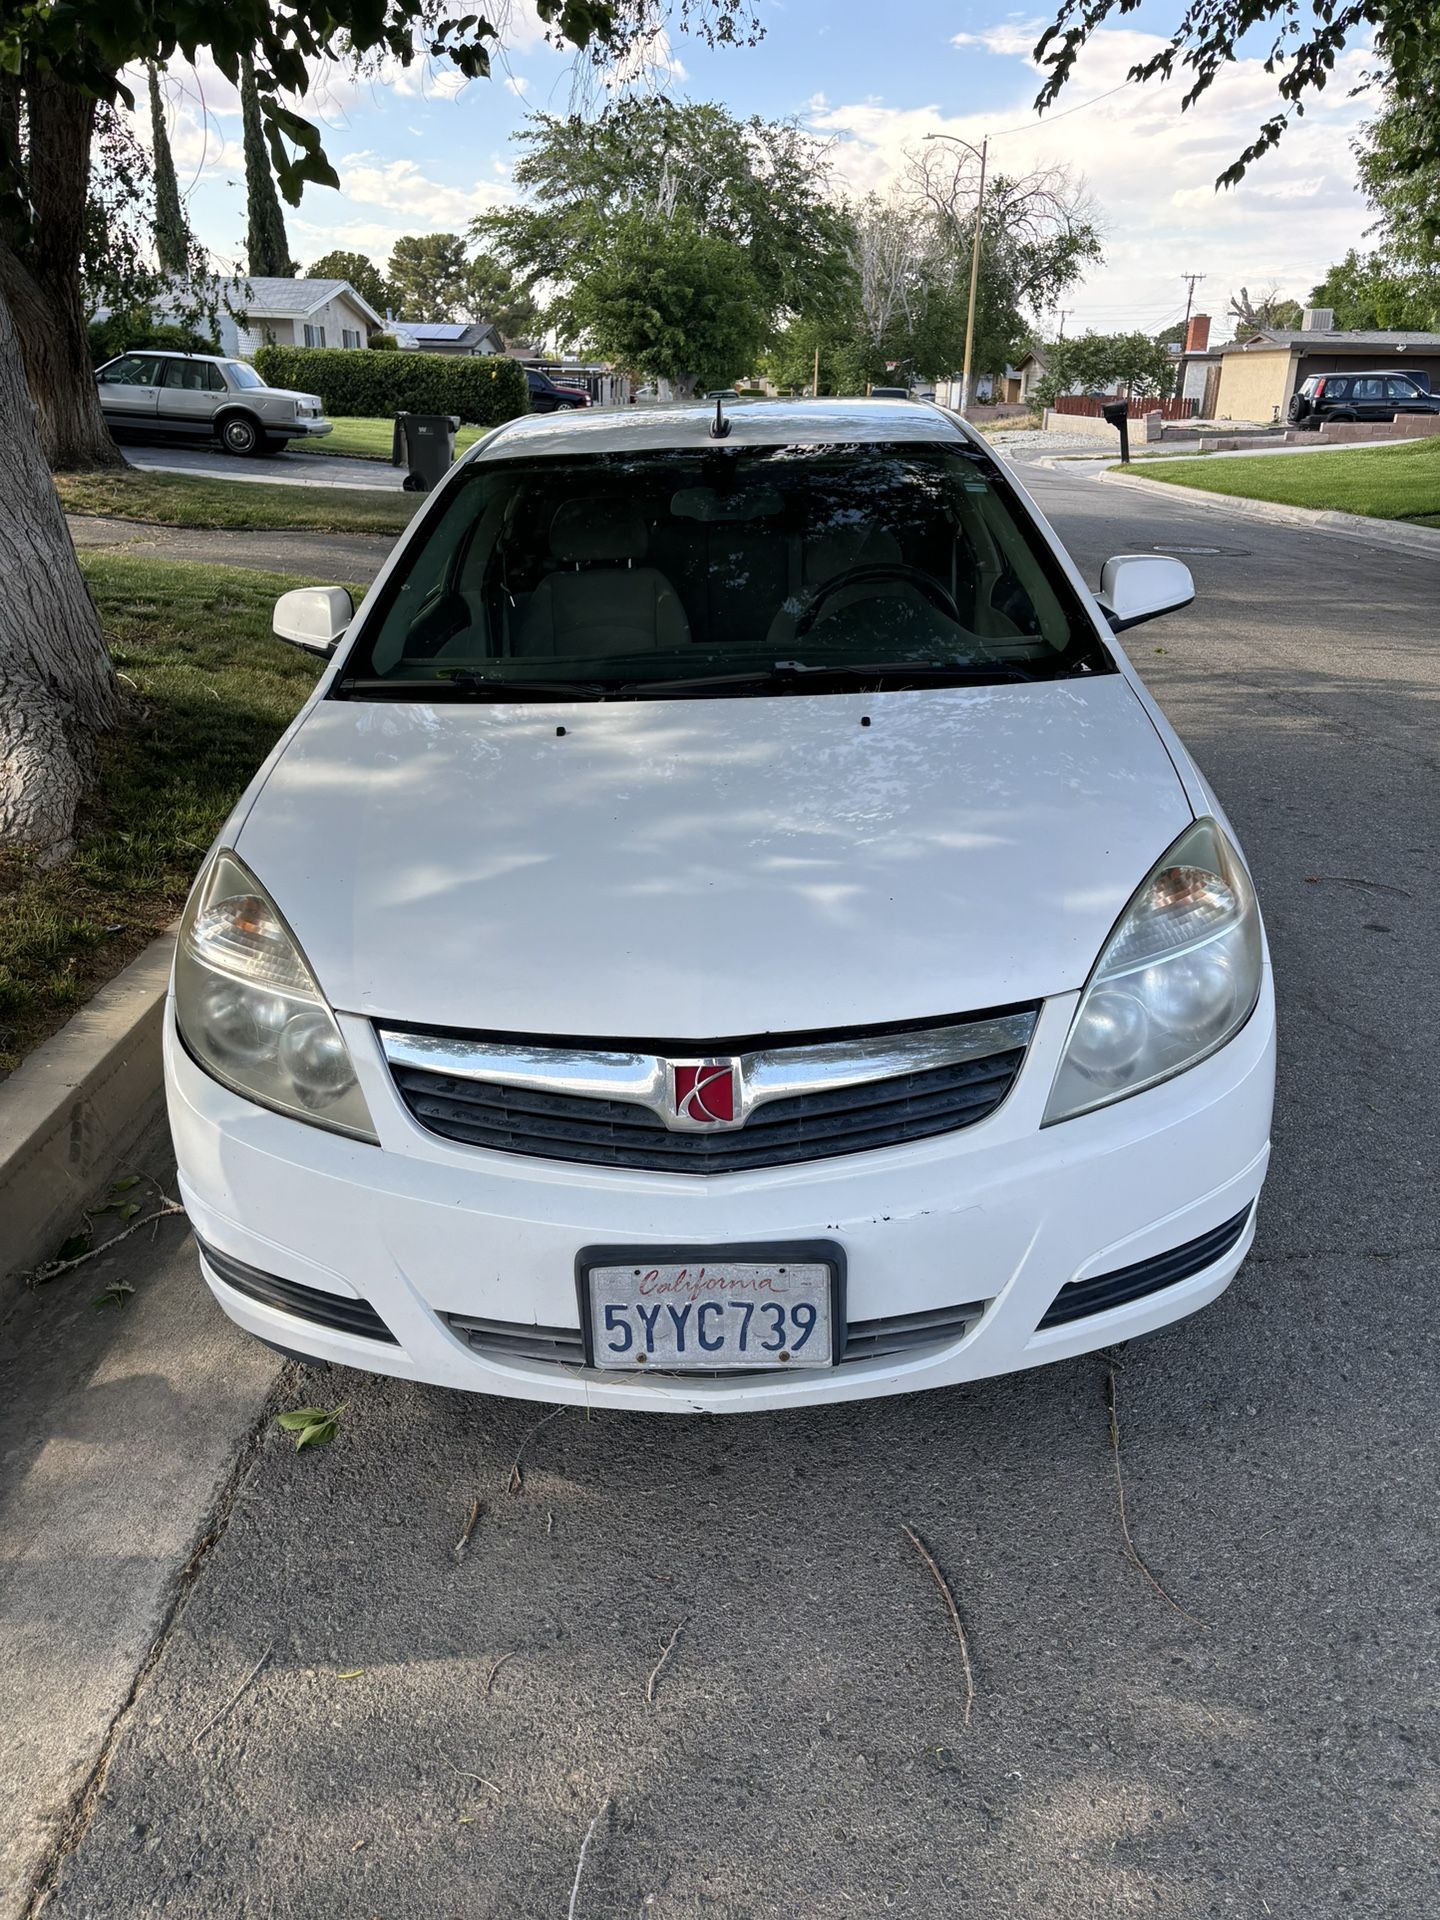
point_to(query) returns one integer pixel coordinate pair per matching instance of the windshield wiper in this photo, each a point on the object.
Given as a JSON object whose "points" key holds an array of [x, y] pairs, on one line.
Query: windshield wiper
{"points": [[800, 676], [471, 686]]}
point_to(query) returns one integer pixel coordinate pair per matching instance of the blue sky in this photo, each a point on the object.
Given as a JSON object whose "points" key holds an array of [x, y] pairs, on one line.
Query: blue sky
{"points": [[417, 152]]}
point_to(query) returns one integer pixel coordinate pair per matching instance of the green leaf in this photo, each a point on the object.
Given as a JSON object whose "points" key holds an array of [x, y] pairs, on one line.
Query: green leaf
{"points": [[129, 1210], [312, 1426], [115, 1295], [124, 1186]]}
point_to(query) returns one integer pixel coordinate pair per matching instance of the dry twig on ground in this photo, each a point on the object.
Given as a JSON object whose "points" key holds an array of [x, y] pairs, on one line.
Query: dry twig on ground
{"points": [[465, 1532], [944, 1585], [490, 1677], [574, 1906], [216, 1718], [517, 1475], [56, 1268], [667, 1648], [1131, 1551]]}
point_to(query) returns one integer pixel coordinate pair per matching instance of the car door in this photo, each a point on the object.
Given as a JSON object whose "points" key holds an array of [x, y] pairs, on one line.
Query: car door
{"points": [[189, 394], [1406, 397], [129, 389], [1370, 402]]}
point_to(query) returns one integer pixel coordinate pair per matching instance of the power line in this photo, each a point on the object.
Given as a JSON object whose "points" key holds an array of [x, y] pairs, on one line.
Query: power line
{"points": [[1190, 280], [1039, 123]]}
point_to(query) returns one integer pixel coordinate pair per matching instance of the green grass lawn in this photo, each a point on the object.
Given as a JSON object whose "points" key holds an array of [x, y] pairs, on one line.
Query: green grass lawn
{"points": [[1385, 483], [208, 690], [366, 439], [192, 500]]}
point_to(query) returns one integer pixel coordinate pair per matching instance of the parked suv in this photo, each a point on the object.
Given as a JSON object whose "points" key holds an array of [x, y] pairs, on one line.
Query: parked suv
{"points": [[546, 397], [202, 397], [1359, 396]]}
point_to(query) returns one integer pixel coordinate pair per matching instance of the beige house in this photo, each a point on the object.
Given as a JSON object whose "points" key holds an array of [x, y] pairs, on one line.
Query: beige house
{"points": [[263, 311], [1258, 377]]}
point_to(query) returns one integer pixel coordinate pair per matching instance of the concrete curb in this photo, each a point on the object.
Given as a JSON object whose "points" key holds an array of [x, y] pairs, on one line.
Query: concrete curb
{"points": [[1354, 526], [75, 1107]]}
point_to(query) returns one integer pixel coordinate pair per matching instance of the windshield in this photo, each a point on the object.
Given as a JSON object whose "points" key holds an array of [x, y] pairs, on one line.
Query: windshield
{"points": [[241, 375], [667, 574]]}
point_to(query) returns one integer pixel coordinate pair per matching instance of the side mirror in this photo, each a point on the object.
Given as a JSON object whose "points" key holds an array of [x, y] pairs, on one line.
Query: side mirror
{"points": [[1141, 586], [313, 617]]}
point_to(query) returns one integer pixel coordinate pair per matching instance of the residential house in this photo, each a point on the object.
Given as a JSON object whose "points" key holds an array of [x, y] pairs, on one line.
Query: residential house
{"points": [[265, 311], [458, 338], [1198, 366], [1259, 375], [260, 311]]}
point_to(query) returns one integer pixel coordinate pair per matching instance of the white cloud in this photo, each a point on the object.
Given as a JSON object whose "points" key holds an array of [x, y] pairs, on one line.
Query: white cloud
{"points": [[1151, 170], [518, 84], [428, 206]]}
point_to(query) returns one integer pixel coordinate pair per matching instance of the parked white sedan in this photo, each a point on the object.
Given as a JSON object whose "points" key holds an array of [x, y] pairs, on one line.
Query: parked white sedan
{"points": [[202, 396], [729, 931]]}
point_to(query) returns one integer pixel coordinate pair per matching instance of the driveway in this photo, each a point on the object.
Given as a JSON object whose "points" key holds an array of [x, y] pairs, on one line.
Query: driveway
{"points": [[292, 468], [405, 1679]]}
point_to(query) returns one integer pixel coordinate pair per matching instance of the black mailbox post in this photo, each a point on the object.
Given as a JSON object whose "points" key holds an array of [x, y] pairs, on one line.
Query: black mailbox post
{"points": [[1118, 415]]}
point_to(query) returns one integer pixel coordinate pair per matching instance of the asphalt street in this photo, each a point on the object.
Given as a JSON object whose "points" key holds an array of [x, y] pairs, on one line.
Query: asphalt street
{"points": [[293, 468], [349, 1714]]}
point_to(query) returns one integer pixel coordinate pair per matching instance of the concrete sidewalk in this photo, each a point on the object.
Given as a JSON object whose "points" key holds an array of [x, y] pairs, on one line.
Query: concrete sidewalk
{"points": [[121, 1433]]}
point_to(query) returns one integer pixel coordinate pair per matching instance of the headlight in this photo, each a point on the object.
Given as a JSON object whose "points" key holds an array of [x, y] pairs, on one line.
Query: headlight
{"points": [[1178, 976], [250, 1012]]}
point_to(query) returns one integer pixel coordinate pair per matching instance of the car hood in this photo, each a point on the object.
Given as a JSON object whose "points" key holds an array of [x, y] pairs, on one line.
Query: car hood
{"points": [[290, 393], [710, 869]]}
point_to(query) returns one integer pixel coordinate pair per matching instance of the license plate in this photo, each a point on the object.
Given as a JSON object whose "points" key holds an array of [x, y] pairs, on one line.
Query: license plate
{"points": [[710, 1312]]}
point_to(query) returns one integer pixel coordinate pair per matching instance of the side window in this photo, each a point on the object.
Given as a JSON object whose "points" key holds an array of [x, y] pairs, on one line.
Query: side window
{"points": [[1400, 390], [1337, 389], [1369, 389], [214, 379], [188, 375], [135, 370], [314, 336]]}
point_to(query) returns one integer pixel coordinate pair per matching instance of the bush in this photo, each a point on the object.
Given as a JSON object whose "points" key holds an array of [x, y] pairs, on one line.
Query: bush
{"points": [[482, 391], [137, 327], [383, 343]]}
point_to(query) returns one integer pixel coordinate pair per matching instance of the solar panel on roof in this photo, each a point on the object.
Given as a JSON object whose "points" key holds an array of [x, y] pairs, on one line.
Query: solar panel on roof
{"points": [[437, 330]]}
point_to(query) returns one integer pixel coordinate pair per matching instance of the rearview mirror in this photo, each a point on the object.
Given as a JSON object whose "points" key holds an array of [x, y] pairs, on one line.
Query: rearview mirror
{"points": [[313, 617], [1141, 586]]}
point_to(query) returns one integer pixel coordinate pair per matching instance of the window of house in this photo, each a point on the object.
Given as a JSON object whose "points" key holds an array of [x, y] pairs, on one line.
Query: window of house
{"points": [[314, 336], [349, 337]]}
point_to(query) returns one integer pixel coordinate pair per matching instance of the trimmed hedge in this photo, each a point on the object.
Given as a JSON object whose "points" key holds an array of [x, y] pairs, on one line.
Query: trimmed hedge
{"points": [[483, 391]]}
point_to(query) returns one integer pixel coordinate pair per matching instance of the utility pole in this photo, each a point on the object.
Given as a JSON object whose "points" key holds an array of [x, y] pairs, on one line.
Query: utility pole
{"points": [[815, 389], [1065, 313], [1190, 280], [980, 153]]}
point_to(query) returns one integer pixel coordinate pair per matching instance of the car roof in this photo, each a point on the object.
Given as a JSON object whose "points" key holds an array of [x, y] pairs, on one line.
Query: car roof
{"points": [[756, 423], [1366, 373]]}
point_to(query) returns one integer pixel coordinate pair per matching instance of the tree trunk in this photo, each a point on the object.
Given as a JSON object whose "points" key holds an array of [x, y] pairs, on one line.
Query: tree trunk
{"points": [[40, 279], [57, 687]]}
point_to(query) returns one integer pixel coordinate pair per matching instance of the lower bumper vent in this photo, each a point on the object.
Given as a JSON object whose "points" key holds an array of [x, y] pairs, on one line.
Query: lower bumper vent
{"points": [[864, 1339], [1118, 1288], [339, 1311]]}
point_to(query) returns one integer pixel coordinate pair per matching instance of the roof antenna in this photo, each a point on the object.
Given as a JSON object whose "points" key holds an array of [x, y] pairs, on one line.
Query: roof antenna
{"points": [[719, 426]]}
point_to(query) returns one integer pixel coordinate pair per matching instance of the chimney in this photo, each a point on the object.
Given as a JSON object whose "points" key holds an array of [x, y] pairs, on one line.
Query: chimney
{"points": [[1197, 334], [1317, 320]]}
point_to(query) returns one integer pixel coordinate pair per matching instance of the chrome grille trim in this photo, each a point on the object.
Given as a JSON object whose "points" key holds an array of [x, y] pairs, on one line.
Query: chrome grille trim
{"points": [[770, 1073]]}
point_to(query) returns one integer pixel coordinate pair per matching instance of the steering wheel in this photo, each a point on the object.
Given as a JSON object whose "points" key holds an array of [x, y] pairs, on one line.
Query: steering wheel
{"points": [[874, 573]]}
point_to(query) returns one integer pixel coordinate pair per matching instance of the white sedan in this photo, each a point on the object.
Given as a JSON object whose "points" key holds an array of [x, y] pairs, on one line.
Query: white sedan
{"points": [[729, 931]]}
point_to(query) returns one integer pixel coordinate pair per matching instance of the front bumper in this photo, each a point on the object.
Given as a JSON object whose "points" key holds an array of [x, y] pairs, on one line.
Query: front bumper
{"points": [[1004, 1211], [303, 429]]}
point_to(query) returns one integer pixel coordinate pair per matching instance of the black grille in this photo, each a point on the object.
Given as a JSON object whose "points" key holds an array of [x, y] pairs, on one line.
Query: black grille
{"points": [[864, 1339], [1117, 1289], [337, 1310], [615, 1133]]}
